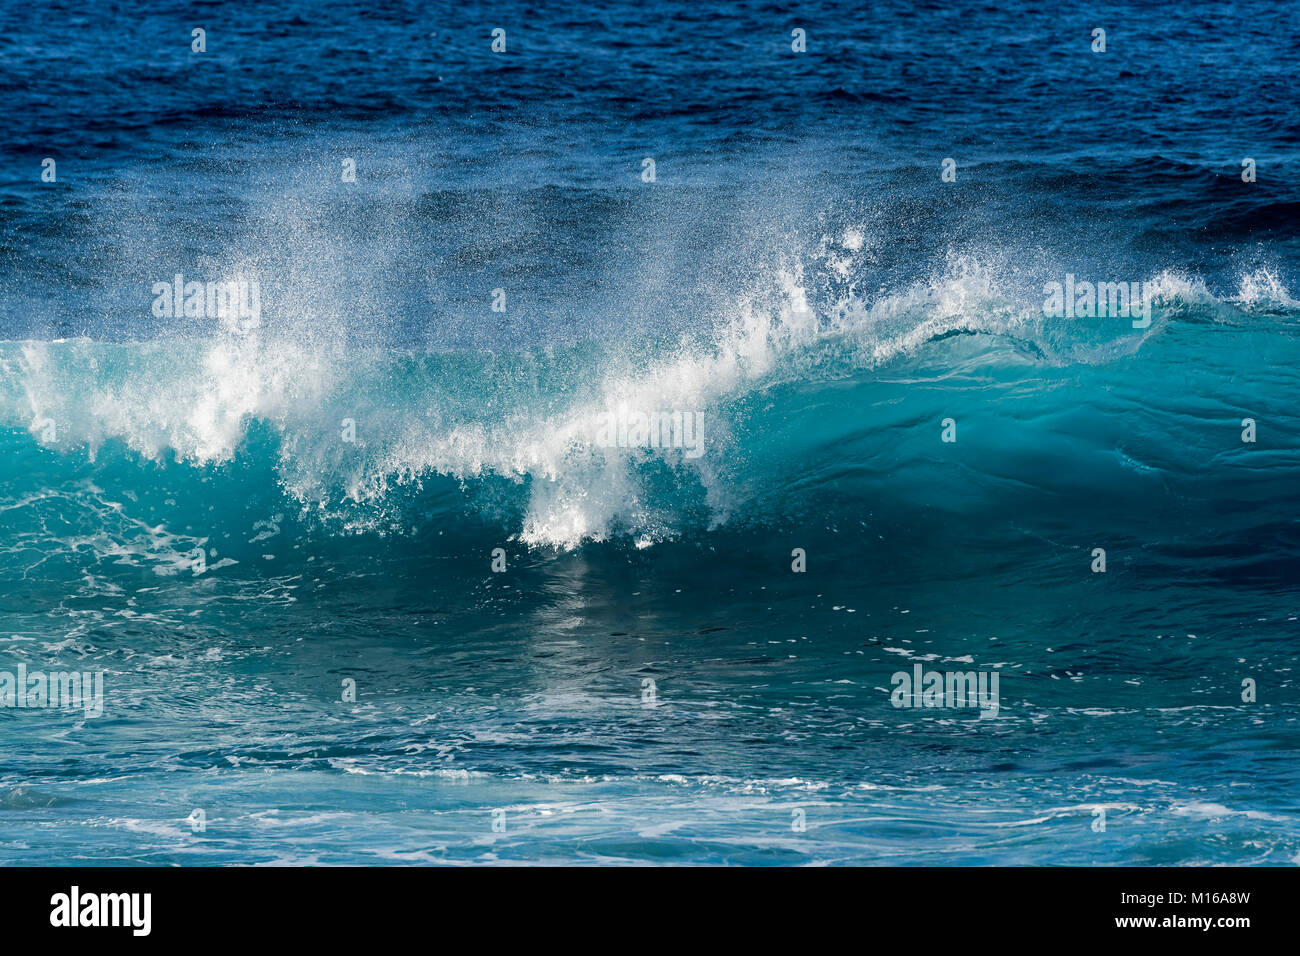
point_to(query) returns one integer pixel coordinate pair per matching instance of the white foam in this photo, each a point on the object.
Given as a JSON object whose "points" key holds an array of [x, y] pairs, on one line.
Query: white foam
{"points": [[195, 399]]}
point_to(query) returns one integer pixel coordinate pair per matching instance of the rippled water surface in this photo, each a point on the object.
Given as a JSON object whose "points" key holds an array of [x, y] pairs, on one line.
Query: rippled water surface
{"points": [[276, 541]]}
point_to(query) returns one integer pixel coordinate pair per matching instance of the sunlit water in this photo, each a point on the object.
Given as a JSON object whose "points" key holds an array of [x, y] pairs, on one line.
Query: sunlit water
{"points": [[233, 525]]}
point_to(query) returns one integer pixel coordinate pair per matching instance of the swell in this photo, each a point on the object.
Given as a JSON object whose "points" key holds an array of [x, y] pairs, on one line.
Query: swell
{"points": [[834, 413]]}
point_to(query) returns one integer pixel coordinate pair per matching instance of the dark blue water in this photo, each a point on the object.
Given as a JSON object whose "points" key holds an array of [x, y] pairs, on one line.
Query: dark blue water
{"points": [[686, 652]]}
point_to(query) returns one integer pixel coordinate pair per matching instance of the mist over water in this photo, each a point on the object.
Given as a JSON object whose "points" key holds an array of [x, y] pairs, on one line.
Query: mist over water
{"points": [[232, 521]]}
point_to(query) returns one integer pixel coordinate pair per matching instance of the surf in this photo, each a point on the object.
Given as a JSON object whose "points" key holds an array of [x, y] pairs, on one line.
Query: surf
{"points": [[828, 402]]}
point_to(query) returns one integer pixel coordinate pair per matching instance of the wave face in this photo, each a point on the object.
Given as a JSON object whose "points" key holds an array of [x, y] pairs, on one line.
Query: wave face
{"points": [[780, 411], [619, 505]]}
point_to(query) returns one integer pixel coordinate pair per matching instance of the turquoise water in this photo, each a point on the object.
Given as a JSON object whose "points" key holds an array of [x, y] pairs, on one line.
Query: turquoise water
{"points": [[278, 541], [522, 691]]}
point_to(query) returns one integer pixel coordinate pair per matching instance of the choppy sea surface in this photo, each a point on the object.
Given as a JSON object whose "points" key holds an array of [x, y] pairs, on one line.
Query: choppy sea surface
{"points": [[275, 540]]}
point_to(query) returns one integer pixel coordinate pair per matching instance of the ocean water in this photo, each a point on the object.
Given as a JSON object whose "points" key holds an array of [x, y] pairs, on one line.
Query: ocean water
{"points": [[275, 536]]}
